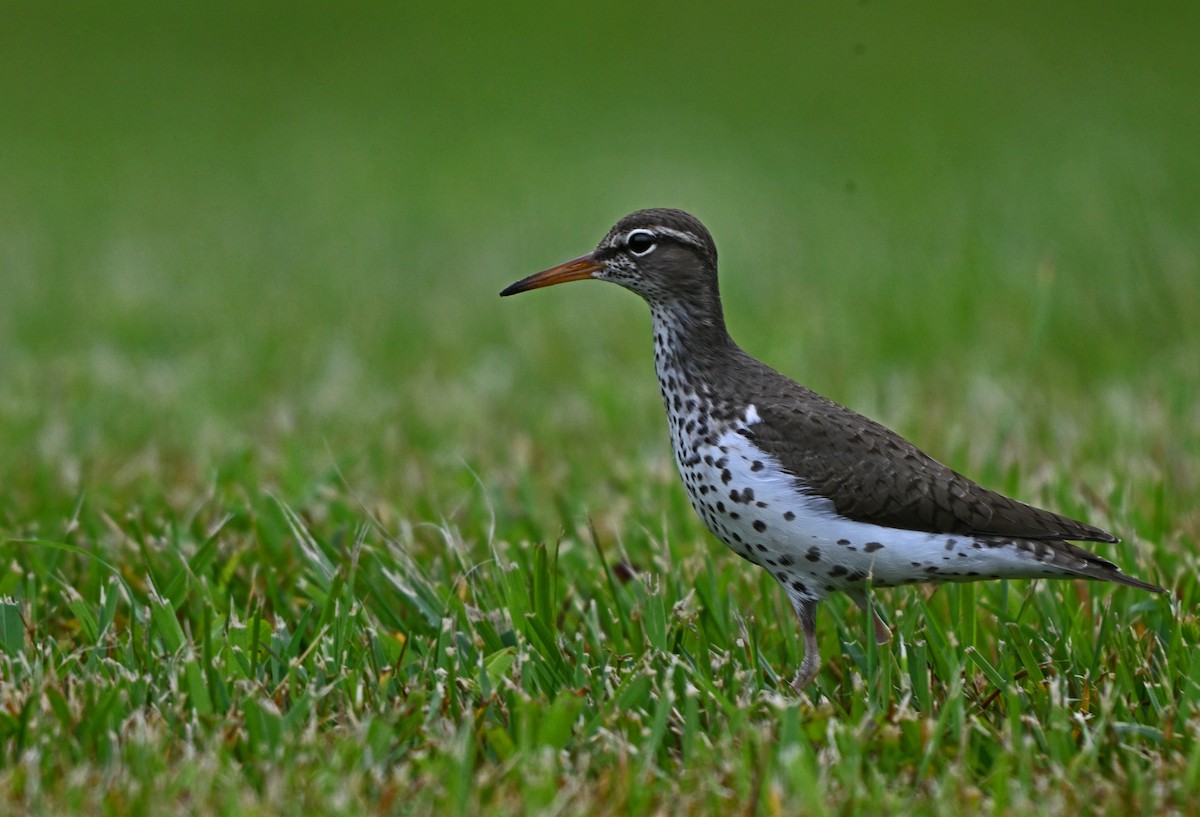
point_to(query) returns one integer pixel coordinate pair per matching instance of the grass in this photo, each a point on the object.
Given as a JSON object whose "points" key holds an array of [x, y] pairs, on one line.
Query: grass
{"points": [[297, 515]]}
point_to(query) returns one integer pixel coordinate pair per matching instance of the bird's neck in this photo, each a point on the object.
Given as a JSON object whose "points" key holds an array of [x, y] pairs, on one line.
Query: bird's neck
{"points": [[690, 341]]}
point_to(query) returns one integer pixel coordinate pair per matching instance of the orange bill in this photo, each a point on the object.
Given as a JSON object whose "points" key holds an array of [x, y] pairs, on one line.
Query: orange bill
{"points": [[575, 270]]}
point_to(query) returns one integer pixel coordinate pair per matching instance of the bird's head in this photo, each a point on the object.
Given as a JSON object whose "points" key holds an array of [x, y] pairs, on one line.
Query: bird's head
{"points": [[663, 255]]}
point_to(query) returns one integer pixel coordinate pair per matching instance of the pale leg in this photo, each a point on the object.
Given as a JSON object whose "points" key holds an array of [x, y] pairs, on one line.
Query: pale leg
{"points": [[806, 609]]}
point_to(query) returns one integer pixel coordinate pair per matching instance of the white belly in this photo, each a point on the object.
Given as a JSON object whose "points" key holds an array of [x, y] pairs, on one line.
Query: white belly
{"points": [[749, 502]]}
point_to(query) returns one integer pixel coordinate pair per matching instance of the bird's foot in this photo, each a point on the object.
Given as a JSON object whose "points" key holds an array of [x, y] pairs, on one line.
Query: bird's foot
{"points": [[808, 671]]}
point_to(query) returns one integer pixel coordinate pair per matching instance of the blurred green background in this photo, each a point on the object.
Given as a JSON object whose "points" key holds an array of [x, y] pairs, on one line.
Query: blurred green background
{"points": [[253, 359], [275, 232]]}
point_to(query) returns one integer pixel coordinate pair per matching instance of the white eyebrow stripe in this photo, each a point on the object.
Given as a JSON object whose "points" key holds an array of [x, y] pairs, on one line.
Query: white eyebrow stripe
{"points": [[678, 235], [681, 237]]}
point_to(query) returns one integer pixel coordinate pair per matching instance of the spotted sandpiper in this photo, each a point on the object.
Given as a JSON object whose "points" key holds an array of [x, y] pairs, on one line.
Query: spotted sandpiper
{"points": [[823, 498]]}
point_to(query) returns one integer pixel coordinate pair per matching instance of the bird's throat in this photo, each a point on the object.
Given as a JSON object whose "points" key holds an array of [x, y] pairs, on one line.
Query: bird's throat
{"points": [[689, 348]]}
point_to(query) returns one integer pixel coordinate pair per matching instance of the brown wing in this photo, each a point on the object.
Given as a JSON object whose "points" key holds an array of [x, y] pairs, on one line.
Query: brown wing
{"points": [[873, 475]]}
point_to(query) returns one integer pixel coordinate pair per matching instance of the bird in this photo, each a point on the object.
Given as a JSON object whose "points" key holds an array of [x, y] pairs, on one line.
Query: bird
{"points": [[823, 498]]}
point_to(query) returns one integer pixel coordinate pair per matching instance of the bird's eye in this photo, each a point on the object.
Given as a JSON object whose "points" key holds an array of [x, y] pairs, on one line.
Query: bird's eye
{"points": [[641, 242]]}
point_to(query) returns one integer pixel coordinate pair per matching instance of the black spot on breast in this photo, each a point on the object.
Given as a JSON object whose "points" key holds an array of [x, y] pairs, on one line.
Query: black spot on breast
{"points": [[871, 547], [756, 466], [762, 547], [843, 542], [746, 495], [799, 587], [931, 569], [785, 560], [760, 525], [726, 476], [838, 570], [789, 516], [813, 554]]}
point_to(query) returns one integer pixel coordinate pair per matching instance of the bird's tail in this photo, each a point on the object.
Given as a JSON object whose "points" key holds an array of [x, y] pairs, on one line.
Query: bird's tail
{"points": [[1089, 565]]}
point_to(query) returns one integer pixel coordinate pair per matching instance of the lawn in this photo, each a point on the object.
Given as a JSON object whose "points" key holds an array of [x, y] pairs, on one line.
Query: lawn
{"points": [[298, 516]]}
